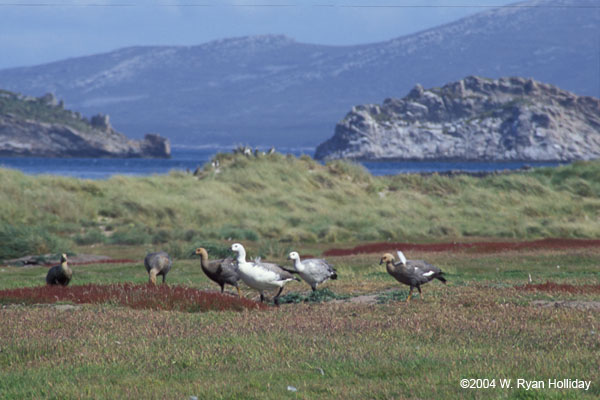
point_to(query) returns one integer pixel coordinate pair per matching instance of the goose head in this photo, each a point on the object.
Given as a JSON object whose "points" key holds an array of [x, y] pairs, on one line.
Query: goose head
{"points": [[200, 251], [386, 258], [63, 258], [295, 257], [239, 249]]}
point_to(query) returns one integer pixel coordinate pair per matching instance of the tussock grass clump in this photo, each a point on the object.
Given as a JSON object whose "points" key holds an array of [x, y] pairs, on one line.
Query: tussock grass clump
{"points": [[161, 297]]}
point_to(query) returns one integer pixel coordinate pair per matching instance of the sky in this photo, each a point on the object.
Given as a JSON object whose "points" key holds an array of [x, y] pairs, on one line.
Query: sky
{"points": [[39, 31]]}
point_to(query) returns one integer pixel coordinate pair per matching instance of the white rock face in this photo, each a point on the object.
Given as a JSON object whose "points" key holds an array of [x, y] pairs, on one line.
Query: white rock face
{"points": [[472, 119]]}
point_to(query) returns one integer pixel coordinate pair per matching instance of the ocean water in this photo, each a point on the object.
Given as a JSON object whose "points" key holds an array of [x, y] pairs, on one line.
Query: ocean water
{"points": [[188, 159]]}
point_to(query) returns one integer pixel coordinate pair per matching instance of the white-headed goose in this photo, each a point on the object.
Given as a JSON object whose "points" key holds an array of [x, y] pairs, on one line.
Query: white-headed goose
{"points": [[260, 275], [313, 270]]}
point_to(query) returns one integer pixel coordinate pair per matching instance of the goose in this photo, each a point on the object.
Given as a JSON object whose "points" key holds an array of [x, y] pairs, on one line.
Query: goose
{"points": [[261, 275], [220, 271], [411, 272], [157, 264], [313, 270], [60, 274]]}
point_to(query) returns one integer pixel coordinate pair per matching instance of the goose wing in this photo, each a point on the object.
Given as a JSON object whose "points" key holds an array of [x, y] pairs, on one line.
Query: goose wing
{"points": [[318, 266], [422, 270], [283, 274], [227, 269]]}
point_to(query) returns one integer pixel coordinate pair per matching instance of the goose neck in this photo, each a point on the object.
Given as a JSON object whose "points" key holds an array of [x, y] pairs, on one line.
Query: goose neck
{"points": [[298, 265], [241, 256]]}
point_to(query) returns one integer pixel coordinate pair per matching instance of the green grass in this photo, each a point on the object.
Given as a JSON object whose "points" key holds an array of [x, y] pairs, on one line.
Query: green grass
{"points": [[280, 199], [479, 325]]}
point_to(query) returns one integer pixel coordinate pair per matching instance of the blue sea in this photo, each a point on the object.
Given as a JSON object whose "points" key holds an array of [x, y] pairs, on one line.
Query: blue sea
{"points": [[188, 159]]}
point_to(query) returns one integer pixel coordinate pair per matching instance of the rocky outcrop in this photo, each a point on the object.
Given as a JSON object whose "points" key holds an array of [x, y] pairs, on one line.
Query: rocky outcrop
{"points": [[472, 119], [41, 127]]}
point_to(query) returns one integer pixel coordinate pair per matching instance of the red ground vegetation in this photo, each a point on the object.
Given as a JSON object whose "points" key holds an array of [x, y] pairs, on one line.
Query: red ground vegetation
{"points": [[140, 296], [475, 247], [560, 287]]}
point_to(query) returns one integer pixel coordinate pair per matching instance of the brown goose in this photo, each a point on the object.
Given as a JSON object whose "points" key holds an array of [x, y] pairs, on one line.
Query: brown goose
{"points": [[157, 264], [60, 274], [411, 272], [223, 271]]}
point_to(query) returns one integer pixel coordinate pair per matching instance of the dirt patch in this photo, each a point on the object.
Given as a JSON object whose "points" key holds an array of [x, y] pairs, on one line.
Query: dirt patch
{"points": [[474, 247], [560, 287], [582, 305], [363, 299]]}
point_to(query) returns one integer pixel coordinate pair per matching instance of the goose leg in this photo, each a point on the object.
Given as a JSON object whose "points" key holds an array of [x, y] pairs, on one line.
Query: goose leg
{"points": [[238, 290], [420, 294], [276, 298], [164, 277], [409, 294], [222, 288], [152, 277], [262, 297]]}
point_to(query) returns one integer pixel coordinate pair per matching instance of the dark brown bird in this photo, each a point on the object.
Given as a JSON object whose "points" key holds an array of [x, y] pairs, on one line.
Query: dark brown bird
{"points": [[157, 264], [222, 272], [60, 274], [413, 273]]}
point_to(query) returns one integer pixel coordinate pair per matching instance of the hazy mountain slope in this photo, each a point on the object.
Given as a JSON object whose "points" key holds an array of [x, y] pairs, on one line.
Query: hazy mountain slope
{"points": [[273, 90]]}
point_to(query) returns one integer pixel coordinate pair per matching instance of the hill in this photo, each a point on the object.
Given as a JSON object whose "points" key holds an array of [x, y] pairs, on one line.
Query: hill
{"points": [[41, 127], [274, 200], [272, 90]]}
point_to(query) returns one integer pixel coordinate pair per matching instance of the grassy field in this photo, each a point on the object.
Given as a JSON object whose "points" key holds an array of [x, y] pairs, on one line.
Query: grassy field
{"points": [[278, 199], [354, 339], [483, 324]]}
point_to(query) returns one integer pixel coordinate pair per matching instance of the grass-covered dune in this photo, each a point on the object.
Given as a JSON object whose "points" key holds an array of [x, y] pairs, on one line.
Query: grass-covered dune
{"points": [[276, 198]]}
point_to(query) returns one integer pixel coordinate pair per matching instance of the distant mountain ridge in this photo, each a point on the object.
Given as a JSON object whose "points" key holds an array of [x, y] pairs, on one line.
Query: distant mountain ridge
{"points": [[41, 127], [271, 90], [472, 119]]}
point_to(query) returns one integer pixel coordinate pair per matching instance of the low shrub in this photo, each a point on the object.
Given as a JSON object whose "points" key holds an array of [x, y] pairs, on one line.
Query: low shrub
{"points": [[131, 236], [91, 236], [318, 296]]}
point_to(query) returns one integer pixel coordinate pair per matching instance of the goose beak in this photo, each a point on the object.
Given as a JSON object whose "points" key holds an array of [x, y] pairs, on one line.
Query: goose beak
{"points": [[381, 261]]}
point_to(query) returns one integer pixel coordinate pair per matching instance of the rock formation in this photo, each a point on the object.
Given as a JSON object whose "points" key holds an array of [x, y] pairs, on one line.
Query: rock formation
{"points": [[41, 127], [472, 119]]}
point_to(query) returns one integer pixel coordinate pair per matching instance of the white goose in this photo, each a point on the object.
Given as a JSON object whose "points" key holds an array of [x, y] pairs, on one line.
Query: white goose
{"points": [[313, 270], [260, 275]]}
